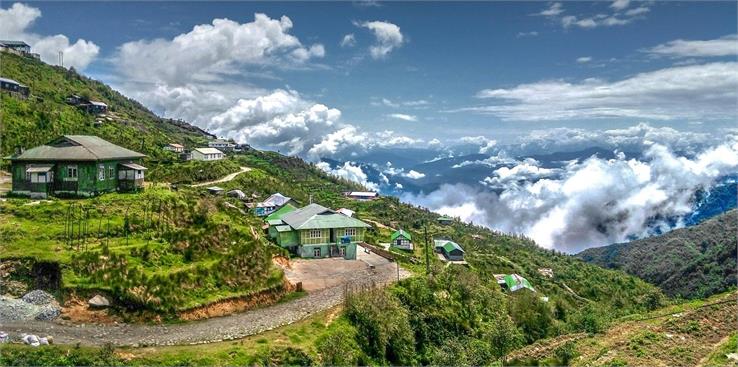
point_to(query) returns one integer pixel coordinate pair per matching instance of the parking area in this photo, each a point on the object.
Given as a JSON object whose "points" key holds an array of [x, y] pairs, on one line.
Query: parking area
{"points": [[317, 274]]}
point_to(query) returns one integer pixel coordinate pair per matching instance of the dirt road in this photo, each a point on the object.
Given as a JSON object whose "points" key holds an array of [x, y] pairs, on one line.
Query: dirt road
{"points": [[221, 328], [227, 178]]}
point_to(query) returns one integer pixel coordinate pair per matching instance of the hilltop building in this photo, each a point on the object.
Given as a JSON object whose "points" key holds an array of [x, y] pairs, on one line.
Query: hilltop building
{"points": [[76, 165], [402, 240], [174, 147], [445, 220], [223, 145], [13, 87], [88, 105], [315, 231], [272, 204], [207, 154], [362, 195], [449, 249], [513, 282]]}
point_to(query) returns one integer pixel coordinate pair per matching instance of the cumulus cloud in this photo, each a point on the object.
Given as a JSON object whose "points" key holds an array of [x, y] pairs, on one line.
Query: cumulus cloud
{"points": [[590, 203], [388, 37], [616, 17], [351, 172], [485, 144], [415, 175], [701, 92], [211, 51], [348, 40], [723, 46], [584, 59], [403, 116], [15, 23]]}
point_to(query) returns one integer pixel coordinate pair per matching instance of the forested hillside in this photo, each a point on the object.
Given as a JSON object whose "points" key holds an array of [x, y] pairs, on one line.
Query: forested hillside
{"points": [[692, 262], [45, 115]]}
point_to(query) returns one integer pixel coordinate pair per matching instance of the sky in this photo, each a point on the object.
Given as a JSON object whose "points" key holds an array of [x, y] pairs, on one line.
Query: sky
{"points": [[344, 80]]}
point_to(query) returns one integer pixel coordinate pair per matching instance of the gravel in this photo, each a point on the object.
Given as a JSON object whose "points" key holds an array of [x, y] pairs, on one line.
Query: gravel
{"points": [[39, 297], [35, 305]]}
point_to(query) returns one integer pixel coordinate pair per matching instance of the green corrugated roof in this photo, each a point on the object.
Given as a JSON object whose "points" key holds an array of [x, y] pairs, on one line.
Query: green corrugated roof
{"points": [[401, 233], [448, 245], [289, 208], [515, 282], [284, 228], [77, 148], [445, 217], [316, 216]]}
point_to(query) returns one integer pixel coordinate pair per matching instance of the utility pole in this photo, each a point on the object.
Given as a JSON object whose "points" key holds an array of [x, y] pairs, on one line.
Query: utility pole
{"points": [[427, 254]]}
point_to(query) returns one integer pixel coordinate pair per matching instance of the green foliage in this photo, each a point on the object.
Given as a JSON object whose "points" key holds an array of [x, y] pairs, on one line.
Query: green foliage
{"points": [[21, 355], [531, 315], [338, 347], [590, 318]]}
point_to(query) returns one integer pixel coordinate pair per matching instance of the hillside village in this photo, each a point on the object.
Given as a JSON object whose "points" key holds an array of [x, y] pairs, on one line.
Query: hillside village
{"points": [[127, 231]]}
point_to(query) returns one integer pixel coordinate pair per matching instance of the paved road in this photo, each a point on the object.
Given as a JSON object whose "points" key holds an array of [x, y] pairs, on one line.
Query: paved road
{"points": [[210, 330], [223, 179]]}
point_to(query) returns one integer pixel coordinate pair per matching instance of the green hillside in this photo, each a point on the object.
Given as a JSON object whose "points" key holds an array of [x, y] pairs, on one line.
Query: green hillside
{"points": [[692, 262], [144, 249], [45, 115]]}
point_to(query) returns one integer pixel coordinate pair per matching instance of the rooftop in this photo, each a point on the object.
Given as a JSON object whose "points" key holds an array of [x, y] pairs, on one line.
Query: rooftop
{"points": [[401, 233], [316, 216], [77, 148], [208, 150]]}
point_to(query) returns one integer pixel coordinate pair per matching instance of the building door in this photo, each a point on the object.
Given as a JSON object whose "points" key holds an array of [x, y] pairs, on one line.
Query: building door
{"points": [[316, 252], [342, 251], [333, 236]]}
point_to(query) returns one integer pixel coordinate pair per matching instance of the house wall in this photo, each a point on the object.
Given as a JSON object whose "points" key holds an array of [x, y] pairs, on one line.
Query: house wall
{"points": [[308, 251], [306, 239], [403, 243], [454, 255], [287, 239], [92, 177]]}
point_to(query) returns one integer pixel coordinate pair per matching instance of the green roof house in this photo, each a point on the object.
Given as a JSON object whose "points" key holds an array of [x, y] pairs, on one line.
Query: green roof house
{"points": [[76, 165], [450, 249], [402, 240], [445, 219], [515, 282], [315, 231]]}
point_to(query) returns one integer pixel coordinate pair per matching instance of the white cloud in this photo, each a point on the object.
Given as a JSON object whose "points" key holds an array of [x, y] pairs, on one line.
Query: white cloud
{"points": [[527, 34], [211, 51], [348, 40], [591, 203], [14, 24], [418, 104], [351, 172], [388, 37], [637, 11], [485, 144], [584, 59], [723, 46], [403, 116], [620, 4], [415, 175], [701, 92], [553, 10]]}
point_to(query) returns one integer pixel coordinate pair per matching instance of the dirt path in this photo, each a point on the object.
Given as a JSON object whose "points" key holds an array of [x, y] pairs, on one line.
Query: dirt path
{"points": [[223, 179], [5, 182], [210, 330]]}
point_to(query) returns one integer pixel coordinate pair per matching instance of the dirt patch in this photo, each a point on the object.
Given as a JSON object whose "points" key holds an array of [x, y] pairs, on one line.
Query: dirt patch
{"points": [[234, 305], [77, 311], [282, 262]]}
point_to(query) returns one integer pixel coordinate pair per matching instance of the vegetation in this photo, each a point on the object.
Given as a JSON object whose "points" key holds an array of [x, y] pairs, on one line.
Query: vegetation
{"points": [[692, 262]]}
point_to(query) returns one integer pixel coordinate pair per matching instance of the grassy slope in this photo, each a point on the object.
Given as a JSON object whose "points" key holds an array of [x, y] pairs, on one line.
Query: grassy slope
{"points": [[691, 262], [45, 115], [692, 333]]}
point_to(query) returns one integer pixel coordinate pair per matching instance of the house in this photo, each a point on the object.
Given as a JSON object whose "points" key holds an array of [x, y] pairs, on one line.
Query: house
{"points": [[13, 87], [402, 240], [346, 212], [271, 204], [450, 250], [277, 214], [546, 272], [215, 190], [513, 282], [207, 154], [76, 165], [223, 145], [315, 231], [362, 195], [238, 194], [174, 147], [95, 107], [445, 220], [17, 46]]}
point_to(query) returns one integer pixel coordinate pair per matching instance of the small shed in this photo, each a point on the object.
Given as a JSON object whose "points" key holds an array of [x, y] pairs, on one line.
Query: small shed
{"points": [[450, 250], [207, 154], [174, 147], [238, 194], [515, 282], [13, 87], [402, 240], [215, 190], [362, 195], [131, 176], [445, 219], [346, 212]]}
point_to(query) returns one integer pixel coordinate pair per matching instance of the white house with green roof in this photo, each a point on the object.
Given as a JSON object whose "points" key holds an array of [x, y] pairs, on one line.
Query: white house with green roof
{"points": [[402, 240], [450, 249], [315, 231]]}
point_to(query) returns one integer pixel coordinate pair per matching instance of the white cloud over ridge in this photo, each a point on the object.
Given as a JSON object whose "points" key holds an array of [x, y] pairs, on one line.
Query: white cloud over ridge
{"points": [[14, 24], [703, 92], [591, 203], [349, 171]]}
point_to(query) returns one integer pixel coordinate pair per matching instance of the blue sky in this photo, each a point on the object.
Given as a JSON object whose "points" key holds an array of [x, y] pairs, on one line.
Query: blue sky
{"points": [[426, 86]]}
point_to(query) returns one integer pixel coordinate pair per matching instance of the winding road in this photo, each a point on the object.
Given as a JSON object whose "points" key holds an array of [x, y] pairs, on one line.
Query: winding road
{"points": [[215, 329], [227, 178]]}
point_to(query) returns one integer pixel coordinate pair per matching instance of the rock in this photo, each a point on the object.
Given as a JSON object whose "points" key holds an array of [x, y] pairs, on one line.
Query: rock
{"points": [[98, 301], [39, 297], [50, 339], [31, 340], [3, 337]]}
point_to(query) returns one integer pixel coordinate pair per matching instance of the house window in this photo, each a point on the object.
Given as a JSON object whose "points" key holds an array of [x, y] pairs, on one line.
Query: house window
{"points": [[350, 231], [316, 233], [316, 252], [72, 172], [111, 173], [101, 172]]}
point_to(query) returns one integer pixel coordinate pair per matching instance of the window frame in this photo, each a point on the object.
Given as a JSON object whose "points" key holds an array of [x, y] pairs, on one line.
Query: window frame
{"points": [[312, 234], [72, 172], [352, 232]]}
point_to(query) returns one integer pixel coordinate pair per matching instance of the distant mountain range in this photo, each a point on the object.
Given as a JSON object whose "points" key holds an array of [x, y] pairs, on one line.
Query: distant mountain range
{"points": [[692, 262]]}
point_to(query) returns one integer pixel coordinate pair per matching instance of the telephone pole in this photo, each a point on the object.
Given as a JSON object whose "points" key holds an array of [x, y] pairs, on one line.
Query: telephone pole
{"points": [[427, 255]]}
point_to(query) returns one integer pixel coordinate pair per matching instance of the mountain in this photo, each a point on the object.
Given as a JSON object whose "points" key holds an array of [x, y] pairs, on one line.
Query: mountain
{"points": [[45, 115], [690, 262]]}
